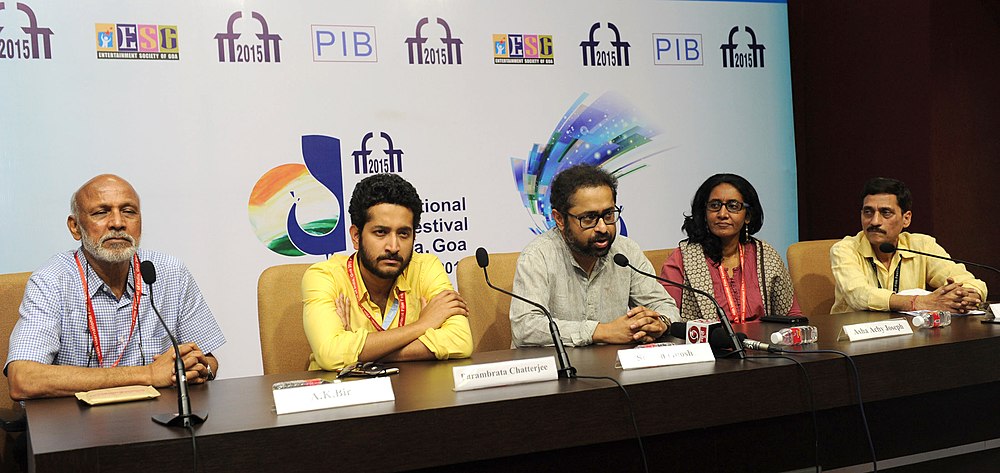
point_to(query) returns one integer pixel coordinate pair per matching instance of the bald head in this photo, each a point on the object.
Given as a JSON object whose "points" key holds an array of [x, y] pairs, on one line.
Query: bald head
{"points": [[94, 183]]}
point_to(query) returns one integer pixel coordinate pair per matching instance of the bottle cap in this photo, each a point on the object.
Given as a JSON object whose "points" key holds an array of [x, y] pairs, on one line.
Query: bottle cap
{"points": [[917, 321], [776, 337]]}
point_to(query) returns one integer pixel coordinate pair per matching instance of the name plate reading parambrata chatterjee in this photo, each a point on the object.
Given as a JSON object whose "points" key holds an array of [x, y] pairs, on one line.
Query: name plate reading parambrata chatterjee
{"points": [[503, 373], [336, 394]]}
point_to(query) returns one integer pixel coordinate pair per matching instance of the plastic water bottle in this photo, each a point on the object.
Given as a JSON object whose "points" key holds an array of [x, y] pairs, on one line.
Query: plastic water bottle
{"points": [[795, 335], [932, 318]]}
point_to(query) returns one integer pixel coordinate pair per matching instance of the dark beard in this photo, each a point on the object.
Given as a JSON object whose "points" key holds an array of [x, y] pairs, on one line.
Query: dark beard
{"points": [[589, 249], [372, 264]]}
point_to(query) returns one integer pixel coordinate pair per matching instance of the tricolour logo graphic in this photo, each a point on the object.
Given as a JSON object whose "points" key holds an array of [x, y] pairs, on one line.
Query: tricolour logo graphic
{"points": [[677, 49], [450, 51], [338, 43], [33, 43], [734, 57], [233, 47], [136, 41], [594, 54], [523, 49], [312, 193], [598, 135]]}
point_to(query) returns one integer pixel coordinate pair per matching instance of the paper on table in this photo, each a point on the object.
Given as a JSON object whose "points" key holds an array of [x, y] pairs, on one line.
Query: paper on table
{"points": [[119, 394]]}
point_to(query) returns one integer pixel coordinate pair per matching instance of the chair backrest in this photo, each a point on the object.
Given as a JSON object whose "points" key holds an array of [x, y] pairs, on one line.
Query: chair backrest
{"points": [[283, 343], [11, 292], [489, 310], [657, 257], [812, 276]]}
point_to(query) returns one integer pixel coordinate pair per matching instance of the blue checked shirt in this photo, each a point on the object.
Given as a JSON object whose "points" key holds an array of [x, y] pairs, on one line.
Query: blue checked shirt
{"points": [[53, 324]]}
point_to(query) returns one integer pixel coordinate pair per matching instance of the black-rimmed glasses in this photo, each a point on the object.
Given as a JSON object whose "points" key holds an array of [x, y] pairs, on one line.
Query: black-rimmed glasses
{"points": [[731, 205], [589, 220]]}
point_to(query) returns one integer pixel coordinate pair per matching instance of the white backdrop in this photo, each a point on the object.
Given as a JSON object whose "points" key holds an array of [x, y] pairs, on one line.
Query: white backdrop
{"points": [[195, 135]]}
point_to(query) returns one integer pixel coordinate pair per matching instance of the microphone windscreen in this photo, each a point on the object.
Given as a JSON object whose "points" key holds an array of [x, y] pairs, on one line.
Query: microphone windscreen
{"points": [[621, 260], [718, 338], [148, 271], [678, 329], [482, 257], [887, 248]]}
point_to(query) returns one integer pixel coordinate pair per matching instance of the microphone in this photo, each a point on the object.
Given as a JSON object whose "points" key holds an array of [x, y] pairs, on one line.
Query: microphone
{"points": [[184, 417], [890, 248], [718, 339], [693, 331], [566, 369], [622, 260]]}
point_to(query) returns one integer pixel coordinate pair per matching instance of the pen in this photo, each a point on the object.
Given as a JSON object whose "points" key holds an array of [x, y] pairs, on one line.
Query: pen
{"points": [[347, 370], [298, 383]]}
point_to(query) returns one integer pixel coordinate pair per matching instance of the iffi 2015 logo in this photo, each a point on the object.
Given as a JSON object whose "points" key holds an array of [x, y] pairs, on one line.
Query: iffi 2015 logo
{"points": [[449, 52], [594, 54], [732, 56], [135, 41], [233, 47], [34, 43], [290, 194]]}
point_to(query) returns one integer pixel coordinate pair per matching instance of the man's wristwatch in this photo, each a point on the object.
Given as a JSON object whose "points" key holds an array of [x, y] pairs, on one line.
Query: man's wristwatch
{"points": [[211, 374]]}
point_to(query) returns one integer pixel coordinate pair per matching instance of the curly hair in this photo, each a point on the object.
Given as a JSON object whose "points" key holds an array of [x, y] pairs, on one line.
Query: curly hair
{"points": [[383, 189], [696, 224], [887, 185], [580, 176]]}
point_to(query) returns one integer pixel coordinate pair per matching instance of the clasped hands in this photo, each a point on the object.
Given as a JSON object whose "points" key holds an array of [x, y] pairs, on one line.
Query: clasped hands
{"points": [[197, 369], [952, 297], [638, 325]]}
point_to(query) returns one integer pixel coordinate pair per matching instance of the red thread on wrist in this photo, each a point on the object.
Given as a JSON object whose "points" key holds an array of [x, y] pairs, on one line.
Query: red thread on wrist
{"points": [[913, 303]]}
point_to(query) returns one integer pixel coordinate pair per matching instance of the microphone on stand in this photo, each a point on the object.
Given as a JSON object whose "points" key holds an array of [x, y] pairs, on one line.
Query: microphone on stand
{"points": [[184, 417], [890, 248], [566, 369], [622, 260]]}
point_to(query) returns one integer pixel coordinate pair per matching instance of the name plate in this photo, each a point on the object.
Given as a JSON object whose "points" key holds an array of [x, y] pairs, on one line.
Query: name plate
{"points": [[665, 355], [879, 329], [335, 394], [488, 375]]}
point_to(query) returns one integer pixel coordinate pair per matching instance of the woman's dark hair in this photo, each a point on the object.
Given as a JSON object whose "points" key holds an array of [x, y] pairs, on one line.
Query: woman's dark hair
{"points": [[696, 224]]}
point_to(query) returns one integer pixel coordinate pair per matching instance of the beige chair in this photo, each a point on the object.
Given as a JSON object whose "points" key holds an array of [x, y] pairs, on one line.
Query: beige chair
{"points": [[812, 276], [657, 257], [283, 344], [11, 292], [489, 309]]}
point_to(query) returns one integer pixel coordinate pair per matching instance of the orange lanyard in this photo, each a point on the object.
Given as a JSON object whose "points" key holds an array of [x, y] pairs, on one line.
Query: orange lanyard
{"points": [[400, 296], [742, 316], [92, 318]]}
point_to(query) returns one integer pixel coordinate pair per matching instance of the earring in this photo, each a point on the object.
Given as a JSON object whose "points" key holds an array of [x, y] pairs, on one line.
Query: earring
{"points": [[746, 229]]}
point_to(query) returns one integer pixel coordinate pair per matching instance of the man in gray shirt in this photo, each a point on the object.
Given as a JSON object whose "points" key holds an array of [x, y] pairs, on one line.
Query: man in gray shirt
{"points": [[570, 270]]}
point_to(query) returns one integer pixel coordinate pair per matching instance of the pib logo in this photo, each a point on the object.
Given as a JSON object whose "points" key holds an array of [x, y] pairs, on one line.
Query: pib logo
{"points": [[34, 42], [266, 48], [333, 43]]}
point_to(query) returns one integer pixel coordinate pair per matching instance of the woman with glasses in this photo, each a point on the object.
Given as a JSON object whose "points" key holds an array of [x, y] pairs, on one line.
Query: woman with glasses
{"points": [[746, 275]]}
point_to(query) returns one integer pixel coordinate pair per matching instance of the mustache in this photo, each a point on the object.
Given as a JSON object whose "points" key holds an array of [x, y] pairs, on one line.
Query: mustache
{"points": [[872, 228], [117, 235], [391, 256]]}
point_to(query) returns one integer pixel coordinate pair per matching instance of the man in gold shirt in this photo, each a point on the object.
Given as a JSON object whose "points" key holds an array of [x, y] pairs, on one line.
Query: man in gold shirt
{"points": [[383, 303], [869, 279]]}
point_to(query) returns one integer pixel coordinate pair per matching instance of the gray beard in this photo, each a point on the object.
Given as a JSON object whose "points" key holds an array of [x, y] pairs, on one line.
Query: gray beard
{"points": [[107, 255]]}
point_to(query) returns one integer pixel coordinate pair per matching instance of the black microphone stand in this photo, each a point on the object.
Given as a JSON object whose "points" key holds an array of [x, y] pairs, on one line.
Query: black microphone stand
{"points": [[184, 417]]}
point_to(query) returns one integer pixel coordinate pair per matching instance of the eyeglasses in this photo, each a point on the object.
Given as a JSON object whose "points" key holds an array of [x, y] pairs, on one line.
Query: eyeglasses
{"points": [[731, 205], [589, 219]]}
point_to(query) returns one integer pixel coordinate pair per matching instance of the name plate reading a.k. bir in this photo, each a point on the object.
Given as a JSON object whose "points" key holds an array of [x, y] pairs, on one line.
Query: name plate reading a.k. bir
{"points": [[665, 355], [488, 375], [336, 394], [877, 329]]}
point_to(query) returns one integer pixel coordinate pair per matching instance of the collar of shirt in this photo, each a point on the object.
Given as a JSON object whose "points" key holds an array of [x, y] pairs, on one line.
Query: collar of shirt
{"points": [[97, 285], [903, 242], [568, 253], [402, 282]]}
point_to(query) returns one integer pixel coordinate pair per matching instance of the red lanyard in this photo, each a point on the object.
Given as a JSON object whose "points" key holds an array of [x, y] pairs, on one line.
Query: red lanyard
{"points": [[742, 316], [401, 296], [92, 318]]}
